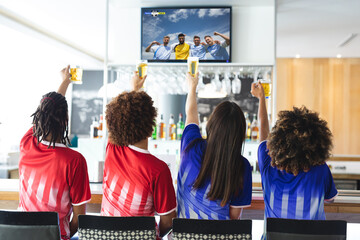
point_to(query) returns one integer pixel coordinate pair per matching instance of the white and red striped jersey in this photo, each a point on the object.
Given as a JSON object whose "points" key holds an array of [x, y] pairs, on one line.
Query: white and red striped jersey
{"points": [[136, 183], [52, 179]]}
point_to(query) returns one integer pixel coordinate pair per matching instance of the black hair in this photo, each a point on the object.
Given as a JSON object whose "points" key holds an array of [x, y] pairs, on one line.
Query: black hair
{"points": [[181, 35], [51, 119]]}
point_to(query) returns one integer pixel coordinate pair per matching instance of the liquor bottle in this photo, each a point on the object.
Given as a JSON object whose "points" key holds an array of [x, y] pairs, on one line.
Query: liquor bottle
{"points": [[180, 127], [100, 128], [154, 133], [161, 128], [94, 129], [248, 127], [172, 128], [203, 128], [254, 129]]}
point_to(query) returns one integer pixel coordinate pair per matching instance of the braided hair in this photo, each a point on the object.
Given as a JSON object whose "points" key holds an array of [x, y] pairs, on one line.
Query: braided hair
{"points": [[51, 119]]}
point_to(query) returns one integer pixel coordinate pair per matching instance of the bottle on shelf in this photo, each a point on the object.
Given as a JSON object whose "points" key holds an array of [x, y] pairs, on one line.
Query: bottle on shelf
{"points": [[203, 128], [180, 127], [154, 133], [248, 127], [161, 128], [254, 129], [100, 128], [172, 128], [94, 129]]}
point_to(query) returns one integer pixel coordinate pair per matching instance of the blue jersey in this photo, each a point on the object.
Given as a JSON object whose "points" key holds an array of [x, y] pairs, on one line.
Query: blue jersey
{"points": [[161, 52], [218, 51], [198, 51], [193, 203], [295, 197]]}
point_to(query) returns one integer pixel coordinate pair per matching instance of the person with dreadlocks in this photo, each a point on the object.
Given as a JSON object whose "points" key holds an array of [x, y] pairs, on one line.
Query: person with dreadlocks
{"points": [[53, 177], [295, 178]]}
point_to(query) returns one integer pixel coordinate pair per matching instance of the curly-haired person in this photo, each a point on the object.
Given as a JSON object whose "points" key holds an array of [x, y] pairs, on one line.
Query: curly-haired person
{"points": [[295, 178], [53, 177], [135, 183]]}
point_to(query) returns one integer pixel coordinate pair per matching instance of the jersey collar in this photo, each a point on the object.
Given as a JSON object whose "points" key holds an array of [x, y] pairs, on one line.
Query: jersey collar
{"points": [[56, 144], [139, 149]]}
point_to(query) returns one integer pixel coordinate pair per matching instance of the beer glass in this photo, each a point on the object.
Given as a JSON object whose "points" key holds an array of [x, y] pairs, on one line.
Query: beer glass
{"points": [[141, 68], [76, 74], [193, 65]]}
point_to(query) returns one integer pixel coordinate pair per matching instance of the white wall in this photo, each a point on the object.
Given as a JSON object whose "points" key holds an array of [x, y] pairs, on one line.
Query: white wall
{"points": [[253, 31]]}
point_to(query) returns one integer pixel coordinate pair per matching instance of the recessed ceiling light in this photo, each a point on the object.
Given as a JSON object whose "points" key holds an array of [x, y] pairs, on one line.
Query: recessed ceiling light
{"points": [[338, 55], [297, 55]]}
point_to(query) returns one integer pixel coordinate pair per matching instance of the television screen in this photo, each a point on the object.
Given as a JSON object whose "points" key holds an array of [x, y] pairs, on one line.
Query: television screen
{"points": [[174, 34]]}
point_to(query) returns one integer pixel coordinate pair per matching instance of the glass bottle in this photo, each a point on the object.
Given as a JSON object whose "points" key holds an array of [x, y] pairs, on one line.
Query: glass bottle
{"points": [[154, 133], [254, 129], [162, 128], [172, 128], [203, 128], [180, 127], [248, 127]]}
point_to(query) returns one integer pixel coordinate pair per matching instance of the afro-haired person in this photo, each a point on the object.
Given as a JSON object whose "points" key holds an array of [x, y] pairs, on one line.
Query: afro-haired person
{"points": [[135, 183], [214, 180], [53, 177], [295, 178]]}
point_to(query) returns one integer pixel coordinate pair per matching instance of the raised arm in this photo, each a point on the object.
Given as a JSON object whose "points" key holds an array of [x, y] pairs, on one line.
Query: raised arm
{"points": [[227, 39], [258, 91], [136, 82], [65, 76], [191, 105], [147, 49]]}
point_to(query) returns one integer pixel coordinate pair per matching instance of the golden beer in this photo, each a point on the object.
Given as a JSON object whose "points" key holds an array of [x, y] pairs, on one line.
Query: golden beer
{"points": [[76, 75], [142, 69], [193, 65], [267, 88]]}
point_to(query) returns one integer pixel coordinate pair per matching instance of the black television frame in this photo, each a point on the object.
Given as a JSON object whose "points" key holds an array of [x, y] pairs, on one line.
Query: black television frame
{"points": [[187, 7]]}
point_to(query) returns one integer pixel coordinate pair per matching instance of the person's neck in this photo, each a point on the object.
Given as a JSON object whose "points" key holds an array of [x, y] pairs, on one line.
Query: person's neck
{"points": [[143, 144], [165, 44]]}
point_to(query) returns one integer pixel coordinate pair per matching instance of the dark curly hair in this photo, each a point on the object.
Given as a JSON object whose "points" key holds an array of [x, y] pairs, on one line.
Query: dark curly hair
{"points": [[299, 140], [130, 118], [51, 119]]}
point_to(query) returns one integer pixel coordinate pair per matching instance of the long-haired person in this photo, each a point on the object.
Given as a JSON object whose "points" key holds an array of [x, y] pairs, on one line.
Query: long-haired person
{"points": [[295, 178], [214, 180], [136, 183], [53, 177]]}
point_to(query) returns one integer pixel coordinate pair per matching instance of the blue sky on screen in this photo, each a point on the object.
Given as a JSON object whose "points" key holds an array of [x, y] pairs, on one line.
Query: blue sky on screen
{"points": [[191, 22]]}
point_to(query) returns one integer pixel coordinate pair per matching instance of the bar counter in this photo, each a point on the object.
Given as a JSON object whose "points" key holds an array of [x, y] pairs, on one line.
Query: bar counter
{"points": [[347, 201]]}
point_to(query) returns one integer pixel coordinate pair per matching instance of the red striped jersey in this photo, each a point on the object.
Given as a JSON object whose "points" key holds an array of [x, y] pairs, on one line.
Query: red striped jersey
{"points": [[52, 179], [136, 183]]}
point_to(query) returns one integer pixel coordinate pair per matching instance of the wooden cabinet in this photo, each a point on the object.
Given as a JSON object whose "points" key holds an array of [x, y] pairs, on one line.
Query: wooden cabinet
{"points": [[329, 86]]}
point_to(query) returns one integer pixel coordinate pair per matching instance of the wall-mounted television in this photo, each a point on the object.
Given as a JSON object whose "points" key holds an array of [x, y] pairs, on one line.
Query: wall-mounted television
{"points": [[176, 33]]}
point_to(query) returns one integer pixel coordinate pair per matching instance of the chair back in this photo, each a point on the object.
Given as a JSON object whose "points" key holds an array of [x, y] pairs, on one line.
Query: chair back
{"points": [[211, 229], [16, 225], [101, 227], [281, 229]]}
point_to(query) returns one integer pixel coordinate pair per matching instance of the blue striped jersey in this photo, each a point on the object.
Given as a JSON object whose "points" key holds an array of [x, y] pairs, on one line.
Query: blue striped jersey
{"points": [[295, 197], [193, 203]]}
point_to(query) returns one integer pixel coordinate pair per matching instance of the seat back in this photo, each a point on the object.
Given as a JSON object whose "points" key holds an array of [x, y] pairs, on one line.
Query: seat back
{"points": [[96, 227], [281, 229], [29, 225], [211, 229]]}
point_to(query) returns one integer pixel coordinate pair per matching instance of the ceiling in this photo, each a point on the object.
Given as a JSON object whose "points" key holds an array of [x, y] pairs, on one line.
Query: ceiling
{"points": [[315, 28], [306, 27]]}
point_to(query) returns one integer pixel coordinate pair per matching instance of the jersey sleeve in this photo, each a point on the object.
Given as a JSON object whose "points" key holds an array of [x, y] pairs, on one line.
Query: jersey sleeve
{"points": [[191, 132], [243, 199], [263, 157], [330, 189], [79, 182], [224, 44], [164, 193]]}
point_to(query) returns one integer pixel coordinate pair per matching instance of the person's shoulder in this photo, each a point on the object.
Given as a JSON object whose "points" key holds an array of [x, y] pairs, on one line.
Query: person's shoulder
{"points": [[263, 146], [70, 154]]}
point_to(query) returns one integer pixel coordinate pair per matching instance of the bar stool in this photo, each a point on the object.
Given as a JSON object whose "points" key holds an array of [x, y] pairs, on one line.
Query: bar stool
{"points": [[100, 227], [281, 229], [185, 229], [16, 225]]}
